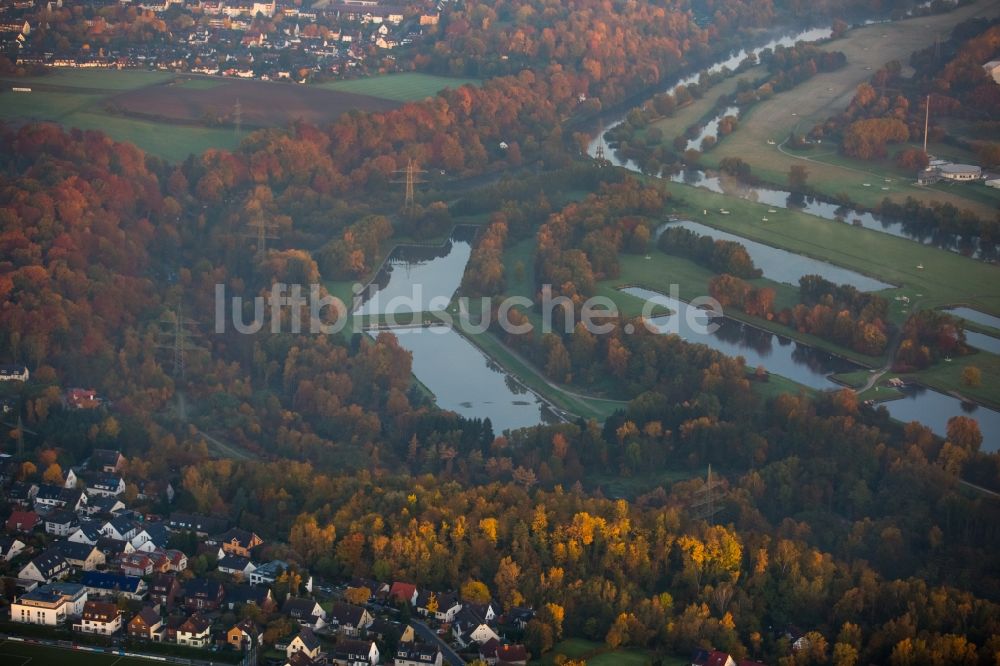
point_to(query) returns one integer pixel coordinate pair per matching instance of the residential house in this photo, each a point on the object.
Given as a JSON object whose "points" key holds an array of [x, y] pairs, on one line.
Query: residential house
{"points": [[487, 612], [104, 506], [466, 633], [349, 619], [10, 547], [445, 606], [240, 595], [299, 659], [14, 373], [80, 556], [106, 460], [99, 617], [203, 594], [23, 493], [267, 574], [108, 485], [71, 479], [517, 616], [305, 611], [89, 532], [113, 549], [147, 625], [168, 560], [23, 521], [50, 605], [78, 398], [61, 523], [194, 632], [392, 632], [136, 564], [711, 658], [119, 528], [235, 541], [417, 655], [45, 568], [306, 643], [163, 589], [52, 496], [403, 593], [355, 653], [152, 536], [101, 584], [494, 653], [236, 565], [244, 633], [192, 522]]}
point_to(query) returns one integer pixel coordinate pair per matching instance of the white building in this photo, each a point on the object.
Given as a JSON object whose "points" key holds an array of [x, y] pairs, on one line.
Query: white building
{"points": [[960, 172], [100, 617], [50, 605], [993, 69]]}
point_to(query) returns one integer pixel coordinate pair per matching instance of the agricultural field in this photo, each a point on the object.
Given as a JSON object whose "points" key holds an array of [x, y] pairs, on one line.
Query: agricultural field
{"points": [[404, 87], [825, 94], [187, 103], [139, 106]]}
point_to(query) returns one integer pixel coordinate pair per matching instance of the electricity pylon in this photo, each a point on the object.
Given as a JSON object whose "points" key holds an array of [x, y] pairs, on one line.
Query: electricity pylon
{"points": [[411, 180], [703, 503]]}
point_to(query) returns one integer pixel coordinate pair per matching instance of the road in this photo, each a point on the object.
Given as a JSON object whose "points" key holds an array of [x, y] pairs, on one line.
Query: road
{"points": [[428, 636]]}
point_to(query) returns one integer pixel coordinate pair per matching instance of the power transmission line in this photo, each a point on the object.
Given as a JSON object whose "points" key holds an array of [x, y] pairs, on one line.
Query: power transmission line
{"points": [[411, 180], [263, 231], [178, 335], [703, 506]]}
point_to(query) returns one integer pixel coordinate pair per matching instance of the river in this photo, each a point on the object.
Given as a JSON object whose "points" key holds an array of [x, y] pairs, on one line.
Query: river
{"points": [[929, 407], [465, 381], [778, 354], [784, 266]]}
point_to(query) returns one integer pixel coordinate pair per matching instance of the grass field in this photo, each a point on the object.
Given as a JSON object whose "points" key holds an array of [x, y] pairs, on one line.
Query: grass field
{"points": [[598, 654], [165, 114], [404, 87], [825, 94], [947, 377], [75, 99], [945, 278], [98, 79], [14, 653]]}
